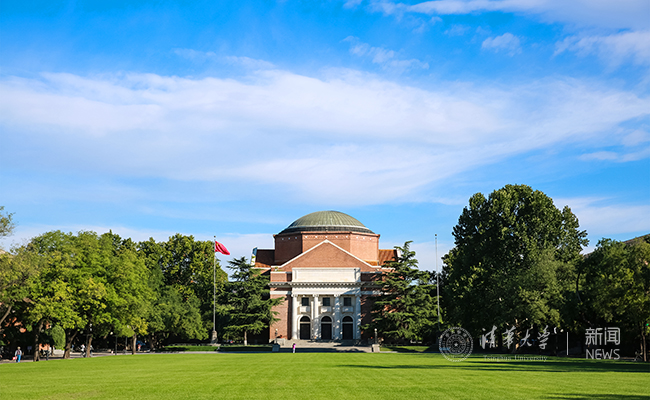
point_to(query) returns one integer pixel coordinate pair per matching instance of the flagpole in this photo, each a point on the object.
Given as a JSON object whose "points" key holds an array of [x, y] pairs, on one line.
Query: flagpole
{"points": [[437, 280], [214, 294]]}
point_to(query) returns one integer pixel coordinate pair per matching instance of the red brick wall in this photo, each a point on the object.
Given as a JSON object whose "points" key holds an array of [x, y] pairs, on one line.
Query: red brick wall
{"points": [[284, 324]]}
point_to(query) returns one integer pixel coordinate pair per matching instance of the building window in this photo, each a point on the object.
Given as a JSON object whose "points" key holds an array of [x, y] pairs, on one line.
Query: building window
{"points": [[347, 301], [305, 301], [326, 301]]}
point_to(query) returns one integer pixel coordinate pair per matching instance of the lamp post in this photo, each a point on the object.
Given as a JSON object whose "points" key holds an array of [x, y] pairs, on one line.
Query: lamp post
{"points": [[376, 338]]}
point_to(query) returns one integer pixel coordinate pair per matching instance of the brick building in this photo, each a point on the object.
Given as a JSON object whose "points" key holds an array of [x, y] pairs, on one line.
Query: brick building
{"points": [[326, 266]]}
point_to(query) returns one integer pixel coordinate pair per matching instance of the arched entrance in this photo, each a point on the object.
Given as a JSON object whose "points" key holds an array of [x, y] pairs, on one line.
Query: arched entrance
{"points": [[305, 328], [348, 328], [326, 328]]}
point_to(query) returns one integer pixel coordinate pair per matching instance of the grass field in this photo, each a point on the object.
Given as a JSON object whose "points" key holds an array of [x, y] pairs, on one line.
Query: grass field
{"points": [[321, 376]]}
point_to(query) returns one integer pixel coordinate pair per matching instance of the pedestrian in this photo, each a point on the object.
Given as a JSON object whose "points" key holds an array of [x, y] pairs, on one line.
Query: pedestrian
{"points": [[294, 347], [18, 354]]}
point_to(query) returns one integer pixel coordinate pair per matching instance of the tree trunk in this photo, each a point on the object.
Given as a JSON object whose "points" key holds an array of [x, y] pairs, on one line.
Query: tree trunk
{"points": [[69, 338], [643, 344], [6, 314], [133, 341], [37, 334], [89, 342], [245, 338]]}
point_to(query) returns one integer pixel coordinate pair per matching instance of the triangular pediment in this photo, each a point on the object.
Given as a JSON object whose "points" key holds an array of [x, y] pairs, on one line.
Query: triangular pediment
{"points": [[326, 255]]}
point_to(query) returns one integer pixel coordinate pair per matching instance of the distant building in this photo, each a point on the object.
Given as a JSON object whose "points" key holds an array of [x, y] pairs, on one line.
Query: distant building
{"points": [[326, 266]]}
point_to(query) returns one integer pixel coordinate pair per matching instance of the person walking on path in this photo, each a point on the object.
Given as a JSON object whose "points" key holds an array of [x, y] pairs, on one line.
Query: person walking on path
{"points": [[294, 347], [18, 354]]}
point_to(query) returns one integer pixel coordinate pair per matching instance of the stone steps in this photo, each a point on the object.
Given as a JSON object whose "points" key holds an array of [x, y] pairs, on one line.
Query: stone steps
{"points": [[312, 346]]}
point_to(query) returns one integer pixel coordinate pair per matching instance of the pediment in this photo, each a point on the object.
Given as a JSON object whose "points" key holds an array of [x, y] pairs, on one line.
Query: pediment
{"points": [[326, 255]]}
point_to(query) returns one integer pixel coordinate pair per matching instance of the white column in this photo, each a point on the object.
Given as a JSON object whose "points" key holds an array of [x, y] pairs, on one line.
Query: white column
{"points": [[295, 324], [336, 324], [357, 316], [314, 317]]}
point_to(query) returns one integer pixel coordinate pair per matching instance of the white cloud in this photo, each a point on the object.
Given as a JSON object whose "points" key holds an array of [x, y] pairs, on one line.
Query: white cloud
{"points": [[507, 42], [617, 156], [600, 218], [388, 59], [343, 138], [457, 30], [613, 49], [245, 62], [622, 14]]}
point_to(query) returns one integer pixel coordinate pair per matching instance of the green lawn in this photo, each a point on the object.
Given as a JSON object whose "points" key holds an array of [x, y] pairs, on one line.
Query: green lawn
{"points": [[321, 376]]}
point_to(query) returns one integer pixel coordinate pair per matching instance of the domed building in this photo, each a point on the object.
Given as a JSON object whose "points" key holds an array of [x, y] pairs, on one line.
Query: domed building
{"points": [[326, 266]]}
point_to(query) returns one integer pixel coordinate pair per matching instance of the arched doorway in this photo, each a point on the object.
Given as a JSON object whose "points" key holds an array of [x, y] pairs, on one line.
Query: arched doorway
{"points": [[326, 328], [305, 328], [348, 328]]}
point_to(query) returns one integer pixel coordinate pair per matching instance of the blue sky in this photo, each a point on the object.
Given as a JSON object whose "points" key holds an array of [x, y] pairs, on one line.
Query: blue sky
{"points": [[236, 118]]}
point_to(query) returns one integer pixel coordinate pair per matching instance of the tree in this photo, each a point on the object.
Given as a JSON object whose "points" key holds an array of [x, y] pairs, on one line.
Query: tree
{"points": [[513, 262], [181, 277], [246, 302], [615, 288], [16, 269], [88, 284], [6, 223], [406, 309]]}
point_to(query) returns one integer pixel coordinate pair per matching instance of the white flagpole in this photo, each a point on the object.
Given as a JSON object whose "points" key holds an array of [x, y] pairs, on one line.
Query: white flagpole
{"points": [[437, 281], [214, 293]]}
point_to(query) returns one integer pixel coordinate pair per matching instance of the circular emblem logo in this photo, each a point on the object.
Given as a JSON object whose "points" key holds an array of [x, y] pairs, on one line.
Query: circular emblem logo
{"points": [[455, 344]]}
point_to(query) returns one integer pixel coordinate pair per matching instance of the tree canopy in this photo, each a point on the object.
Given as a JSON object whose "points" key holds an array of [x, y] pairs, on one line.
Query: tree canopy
{"points": [[513, 262]]}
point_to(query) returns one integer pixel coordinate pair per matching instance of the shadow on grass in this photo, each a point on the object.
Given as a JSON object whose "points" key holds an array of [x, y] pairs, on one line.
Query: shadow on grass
{"points": [[532, 366], [580, 396], [411, 349]]}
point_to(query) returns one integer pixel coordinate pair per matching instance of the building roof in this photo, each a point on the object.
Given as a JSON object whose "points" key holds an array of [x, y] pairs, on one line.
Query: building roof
{"points": [[332, 221]]}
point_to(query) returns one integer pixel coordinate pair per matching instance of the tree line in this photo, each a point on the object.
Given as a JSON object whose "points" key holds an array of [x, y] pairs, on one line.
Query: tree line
{"points": [[517, 262], [84, 286]]}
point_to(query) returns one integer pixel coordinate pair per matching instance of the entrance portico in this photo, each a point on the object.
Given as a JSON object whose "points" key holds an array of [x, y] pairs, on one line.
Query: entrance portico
{"points": [[327, 304]]}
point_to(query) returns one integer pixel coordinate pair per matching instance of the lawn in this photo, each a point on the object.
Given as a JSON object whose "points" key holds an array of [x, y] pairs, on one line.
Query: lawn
{"points": [[321, 376]]}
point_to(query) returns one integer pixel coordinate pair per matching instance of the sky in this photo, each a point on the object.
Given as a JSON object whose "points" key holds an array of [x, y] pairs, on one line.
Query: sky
{"points": [[235, 118]]}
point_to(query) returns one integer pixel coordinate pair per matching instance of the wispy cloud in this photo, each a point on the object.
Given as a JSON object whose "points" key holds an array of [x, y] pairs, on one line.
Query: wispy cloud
{"points": [[245, 62], [624, 14], [507, 43], [613, 49], [388, 59], [601, 218], [334, 138]]}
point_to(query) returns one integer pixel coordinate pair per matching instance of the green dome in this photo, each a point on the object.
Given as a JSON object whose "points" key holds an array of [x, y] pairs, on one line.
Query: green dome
{"points": [[332, 221]]}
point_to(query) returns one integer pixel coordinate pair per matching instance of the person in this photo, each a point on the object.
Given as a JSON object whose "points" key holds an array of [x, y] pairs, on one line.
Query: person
{"points": [[294, 347], [18, 354], [83, 350]]}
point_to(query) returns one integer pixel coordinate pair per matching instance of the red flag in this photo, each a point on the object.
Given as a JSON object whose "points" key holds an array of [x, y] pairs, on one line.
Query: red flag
{"points": [[220, 248]]}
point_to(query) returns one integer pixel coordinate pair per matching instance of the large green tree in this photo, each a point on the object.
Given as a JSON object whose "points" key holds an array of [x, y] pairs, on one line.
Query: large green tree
{"points": [[513, 262], [615, 288], [245, 302], [406, 309], [88, 284], [181, 276]]}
